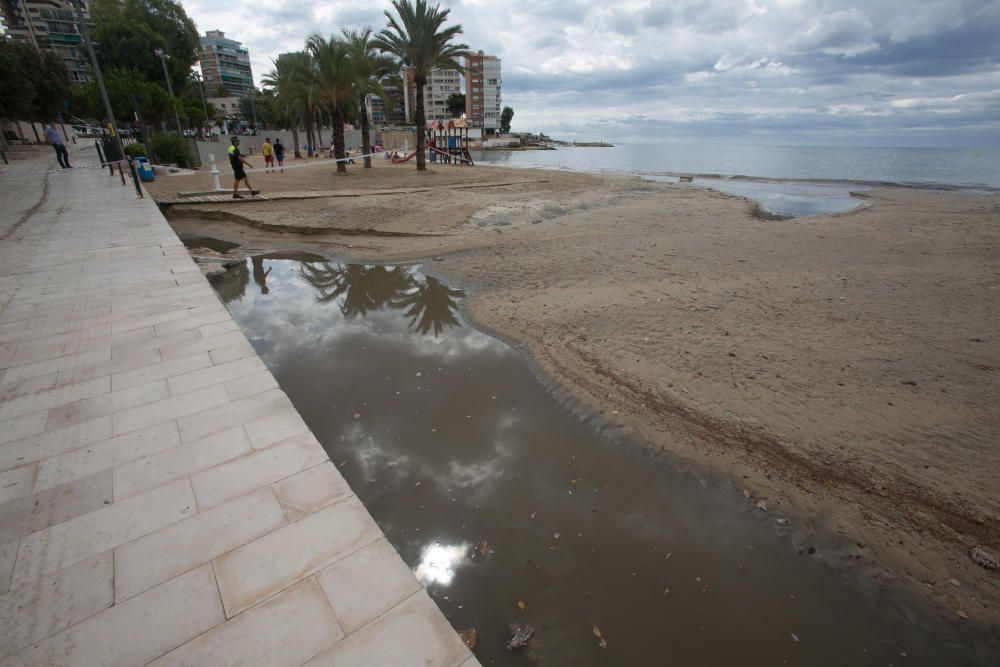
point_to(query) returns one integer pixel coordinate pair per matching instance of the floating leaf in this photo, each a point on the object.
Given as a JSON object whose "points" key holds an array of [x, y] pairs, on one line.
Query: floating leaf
{"points": [[520, 605], [468, 637], [482, 548], [520, 637], [601, 641], [761, 505]]}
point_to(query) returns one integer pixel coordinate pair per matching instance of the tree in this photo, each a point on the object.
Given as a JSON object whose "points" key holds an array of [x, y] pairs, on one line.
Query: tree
{"points": [[127, 32], [334, 74], [33, 85], [369, 69], [288, 81], [456, 104], [421, 43], [505, 117]]}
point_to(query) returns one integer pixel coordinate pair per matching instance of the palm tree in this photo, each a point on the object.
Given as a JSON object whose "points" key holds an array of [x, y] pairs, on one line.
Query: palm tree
{"points": [[369, 68], [333, 69], [431, 305], [420, 43], [290, 82]]}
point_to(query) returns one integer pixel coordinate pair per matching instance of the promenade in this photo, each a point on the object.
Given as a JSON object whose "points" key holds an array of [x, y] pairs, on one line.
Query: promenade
{"points": [[161, 500]]}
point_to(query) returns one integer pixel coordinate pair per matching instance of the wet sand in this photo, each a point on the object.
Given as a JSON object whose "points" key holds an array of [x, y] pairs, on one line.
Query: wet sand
{"points": [[840, 367]]}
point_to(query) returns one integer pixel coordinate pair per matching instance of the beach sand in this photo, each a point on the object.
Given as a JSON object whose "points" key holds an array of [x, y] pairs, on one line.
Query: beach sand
{"points": [[842, 369]]}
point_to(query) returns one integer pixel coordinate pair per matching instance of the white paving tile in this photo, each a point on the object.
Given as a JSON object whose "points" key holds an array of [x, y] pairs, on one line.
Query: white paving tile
{"points": [[17, 482], [260, 569], [8, 552], [70, 542], [420, 636], [239, 412], [36, 610], [288, 629], [311, 490], [252, 471], [169, 409], [182, 461], [30, 514], [106, 404], [366, 584], [154, 558], [277, 426], [160, 370], [106, 454], [217, 374], [43, 445], [136, 631]]}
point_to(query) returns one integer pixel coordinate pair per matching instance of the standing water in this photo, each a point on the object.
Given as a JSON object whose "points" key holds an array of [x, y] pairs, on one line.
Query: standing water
{"points": [[513, 511]]}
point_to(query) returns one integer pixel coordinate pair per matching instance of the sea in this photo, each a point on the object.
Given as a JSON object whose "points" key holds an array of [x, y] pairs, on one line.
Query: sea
{"points": [[791, 181]]}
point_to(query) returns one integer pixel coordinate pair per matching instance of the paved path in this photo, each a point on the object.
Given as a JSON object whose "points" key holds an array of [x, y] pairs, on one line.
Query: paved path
{"points": [[161, 500]]}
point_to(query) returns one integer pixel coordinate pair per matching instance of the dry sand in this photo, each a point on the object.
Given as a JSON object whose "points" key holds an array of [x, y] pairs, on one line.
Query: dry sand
{"points": [[844, 368]]}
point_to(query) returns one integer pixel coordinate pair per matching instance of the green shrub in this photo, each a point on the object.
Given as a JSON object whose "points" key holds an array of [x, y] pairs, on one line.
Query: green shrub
{"points": [[135, 150], [171, 149]]}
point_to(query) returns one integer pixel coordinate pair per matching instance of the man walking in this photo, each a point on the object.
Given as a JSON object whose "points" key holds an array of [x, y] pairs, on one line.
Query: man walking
{"points": [[237, 161], [52, 136]]}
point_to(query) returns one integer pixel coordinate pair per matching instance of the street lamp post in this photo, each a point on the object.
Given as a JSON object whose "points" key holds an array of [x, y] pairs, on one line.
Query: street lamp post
{"points": [[170, 88], [201, 89]]}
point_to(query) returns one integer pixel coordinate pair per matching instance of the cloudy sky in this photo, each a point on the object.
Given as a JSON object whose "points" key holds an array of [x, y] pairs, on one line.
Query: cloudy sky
{"points": [[883, 72]]}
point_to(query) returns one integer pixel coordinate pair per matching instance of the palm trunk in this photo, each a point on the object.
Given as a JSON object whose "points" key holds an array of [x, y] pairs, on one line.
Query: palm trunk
{"points": [[420, 82], [366, 144], [319, 131], [337, 117], [295, 142], [310, 137]]}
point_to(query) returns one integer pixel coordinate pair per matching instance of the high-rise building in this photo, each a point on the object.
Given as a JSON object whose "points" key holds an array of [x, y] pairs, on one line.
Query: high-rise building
{"points": [[440, 84], [49, 25], [225, 64], [482, 92], [390, 111]]}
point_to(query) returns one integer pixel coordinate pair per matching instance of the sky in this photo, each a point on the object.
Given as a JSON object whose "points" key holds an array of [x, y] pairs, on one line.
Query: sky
{"points": [[810, 72]]}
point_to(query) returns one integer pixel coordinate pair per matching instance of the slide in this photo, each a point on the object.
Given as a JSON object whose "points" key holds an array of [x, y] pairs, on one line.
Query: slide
{"points": [[401, 160]]}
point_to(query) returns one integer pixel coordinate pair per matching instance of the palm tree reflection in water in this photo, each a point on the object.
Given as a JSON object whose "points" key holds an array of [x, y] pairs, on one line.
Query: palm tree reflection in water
{"points": [[429, 303]]}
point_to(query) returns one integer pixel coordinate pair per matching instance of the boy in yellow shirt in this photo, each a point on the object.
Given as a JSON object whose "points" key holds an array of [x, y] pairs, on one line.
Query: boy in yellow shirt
{"points": [[268, 155]]}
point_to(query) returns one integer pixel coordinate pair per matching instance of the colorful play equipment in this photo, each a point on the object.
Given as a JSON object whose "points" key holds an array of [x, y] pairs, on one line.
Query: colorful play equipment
{"points": [[448, 142]]}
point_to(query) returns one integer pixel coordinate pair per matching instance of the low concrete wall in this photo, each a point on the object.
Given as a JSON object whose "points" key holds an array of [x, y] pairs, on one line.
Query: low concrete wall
{"points": [[251, 145]]}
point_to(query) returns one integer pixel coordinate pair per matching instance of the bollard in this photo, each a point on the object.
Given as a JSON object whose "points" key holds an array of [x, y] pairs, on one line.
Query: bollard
{"points": [[214, 170], [121, 171]]}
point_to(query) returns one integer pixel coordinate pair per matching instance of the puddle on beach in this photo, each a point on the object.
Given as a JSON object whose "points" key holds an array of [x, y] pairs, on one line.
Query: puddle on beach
{"points": [[218, 245], [785, 198], [456, 448]]}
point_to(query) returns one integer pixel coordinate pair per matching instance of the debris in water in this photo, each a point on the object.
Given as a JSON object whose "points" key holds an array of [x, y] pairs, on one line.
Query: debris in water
{"points": [[783, 522], [357, 415], [669, 554], [761, 505], [962, 614], [795, 637], [601, 641], [555, 535], [666, 592], [521, 605], [746, 493], [520, 637], [482, 548], [954, 582], [468, 637]]}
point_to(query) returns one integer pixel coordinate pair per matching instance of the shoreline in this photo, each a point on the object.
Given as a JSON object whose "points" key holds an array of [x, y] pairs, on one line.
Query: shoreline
{"points": [[862, 496]]}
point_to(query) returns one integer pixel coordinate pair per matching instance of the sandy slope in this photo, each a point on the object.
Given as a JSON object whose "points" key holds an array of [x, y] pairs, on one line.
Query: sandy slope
{"points": [[843, 367]]}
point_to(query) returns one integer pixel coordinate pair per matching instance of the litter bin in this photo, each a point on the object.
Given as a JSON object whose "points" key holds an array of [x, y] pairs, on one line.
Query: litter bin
{"points": [[144, 169], [112, 152]]}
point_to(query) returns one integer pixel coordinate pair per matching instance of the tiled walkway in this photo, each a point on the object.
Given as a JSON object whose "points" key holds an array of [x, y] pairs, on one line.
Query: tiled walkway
{"points": [[161, 500]]}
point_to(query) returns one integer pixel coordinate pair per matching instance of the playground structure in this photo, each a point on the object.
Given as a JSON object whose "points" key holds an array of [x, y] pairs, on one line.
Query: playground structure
{"points": [[446, 142]]}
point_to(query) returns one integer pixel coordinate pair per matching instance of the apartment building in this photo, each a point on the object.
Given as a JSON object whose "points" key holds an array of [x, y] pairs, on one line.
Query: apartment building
{"points": [[440, 84], [225, 64], [482, 92], [391, 111], [49, 25]]}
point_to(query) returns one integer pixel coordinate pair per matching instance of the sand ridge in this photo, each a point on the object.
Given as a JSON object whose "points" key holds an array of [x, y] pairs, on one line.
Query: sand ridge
{"points": [[844, 367]]}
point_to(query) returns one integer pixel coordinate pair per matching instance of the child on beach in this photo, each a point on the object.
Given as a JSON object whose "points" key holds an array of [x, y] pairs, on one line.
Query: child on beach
{"points": [[265, 150], [237, 162], [279, 154]]}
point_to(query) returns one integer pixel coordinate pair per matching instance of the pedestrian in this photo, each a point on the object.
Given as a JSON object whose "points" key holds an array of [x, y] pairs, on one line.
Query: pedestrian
{"points": [[237, 161], [265, 150], [279, 154], [52, 136]]}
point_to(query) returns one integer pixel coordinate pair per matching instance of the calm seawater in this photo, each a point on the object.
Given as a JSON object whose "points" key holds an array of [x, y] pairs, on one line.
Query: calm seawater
{"points": [[791, 180]]}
